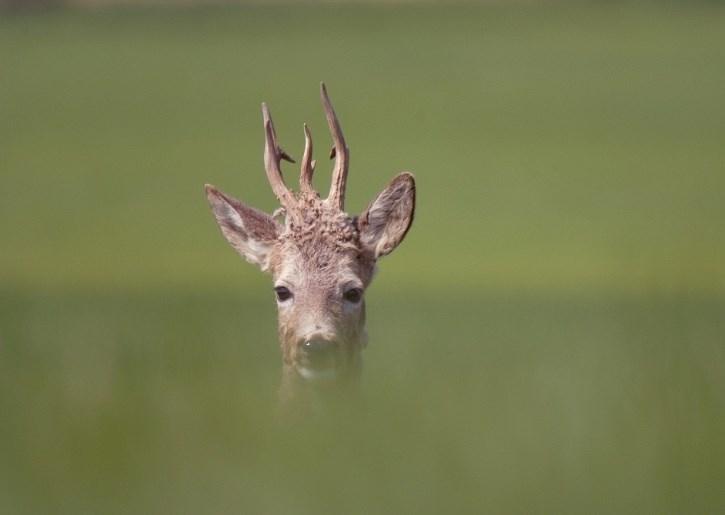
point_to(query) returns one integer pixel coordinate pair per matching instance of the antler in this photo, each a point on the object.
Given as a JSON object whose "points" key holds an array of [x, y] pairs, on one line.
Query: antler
{"points": [[308, 164], [340, 152], [273, 156]]}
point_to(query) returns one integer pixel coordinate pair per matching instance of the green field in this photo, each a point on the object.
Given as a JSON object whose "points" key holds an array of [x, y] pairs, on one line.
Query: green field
{"points": [[550, 338]]}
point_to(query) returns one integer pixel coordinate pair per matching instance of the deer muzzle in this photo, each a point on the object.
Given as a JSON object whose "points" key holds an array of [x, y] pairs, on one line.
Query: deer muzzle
{"points": [[318, 356]]}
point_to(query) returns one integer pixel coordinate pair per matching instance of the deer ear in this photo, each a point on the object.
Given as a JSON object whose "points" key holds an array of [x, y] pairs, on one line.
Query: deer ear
{"points": [[251, 232], [387, 219]]}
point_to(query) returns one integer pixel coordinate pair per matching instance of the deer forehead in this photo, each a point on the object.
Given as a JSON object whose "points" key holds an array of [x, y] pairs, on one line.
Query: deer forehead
{"points": [[320, 264], [319, 246], [316, 226]]}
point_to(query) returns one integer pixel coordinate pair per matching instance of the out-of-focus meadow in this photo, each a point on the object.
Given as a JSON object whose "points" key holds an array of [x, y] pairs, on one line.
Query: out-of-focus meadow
{"points": [[550, 338]]}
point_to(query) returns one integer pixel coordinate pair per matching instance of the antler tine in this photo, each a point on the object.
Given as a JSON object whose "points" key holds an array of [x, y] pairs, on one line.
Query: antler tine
{"points": [[273, 155], [341, 153], [308, 164]]}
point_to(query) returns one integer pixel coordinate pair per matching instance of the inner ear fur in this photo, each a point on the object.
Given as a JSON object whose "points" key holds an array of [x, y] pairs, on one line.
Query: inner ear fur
{"points": [[251, 232], [386, 221]]}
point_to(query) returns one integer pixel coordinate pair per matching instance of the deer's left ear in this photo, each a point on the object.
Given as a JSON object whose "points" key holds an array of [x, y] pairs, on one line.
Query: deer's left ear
{"points": [[387, 219], [250, 231]]}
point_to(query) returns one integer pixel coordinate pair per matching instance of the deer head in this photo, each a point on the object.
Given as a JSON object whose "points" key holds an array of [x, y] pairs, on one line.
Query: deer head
{"points": [[321, 259]]}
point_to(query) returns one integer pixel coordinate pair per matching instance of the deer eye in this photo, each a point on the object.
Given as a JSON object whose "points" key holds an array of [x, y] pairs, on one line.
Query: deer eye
{"points": [[353, 295], [282, 293]]}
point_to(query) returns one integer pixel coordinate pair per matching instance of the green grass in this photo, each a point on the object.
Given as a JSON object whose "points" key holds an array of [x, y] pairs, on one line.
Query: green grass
{"points": [[154, 403], [548, 339]]}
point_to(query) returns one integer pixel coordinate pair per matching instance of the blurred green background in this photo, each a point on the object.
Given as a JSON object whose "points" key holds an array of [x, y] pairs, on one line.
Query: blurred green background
{"points": [[550, 338]]}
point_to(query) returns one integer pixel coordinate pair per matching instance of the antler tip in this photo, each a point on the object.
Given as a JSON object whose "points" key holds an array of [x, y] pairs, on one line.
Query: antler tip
{"points": [[323, 92], [265, 112], [284, 155]]}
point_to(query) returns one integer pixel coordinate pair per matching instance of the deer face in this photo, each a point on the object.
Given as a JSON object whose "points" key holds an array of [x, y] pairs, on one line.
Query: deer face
{"points": [[319, 288], [321, 259]]}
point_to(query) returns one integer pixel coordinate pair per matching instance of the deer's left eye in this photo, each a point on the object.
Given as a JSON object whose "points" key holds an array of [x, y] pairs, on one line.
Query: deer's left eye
{"points": [[353, 295]]}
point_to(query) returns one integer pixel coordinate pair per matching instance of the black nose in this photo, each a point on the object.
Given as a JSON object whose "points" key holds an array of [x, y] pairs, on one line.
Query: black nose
{"points": [[318, 346]]}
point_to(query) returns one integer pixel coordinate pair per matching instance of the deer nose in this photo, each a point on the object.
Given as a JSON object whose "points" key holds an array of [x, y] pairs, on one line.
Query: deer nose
{"points": [[317, 346]]}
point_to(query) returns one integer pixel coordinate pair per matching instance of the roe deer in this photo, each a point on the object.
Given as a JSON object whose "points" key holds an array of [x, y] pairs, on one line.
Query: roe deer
{"points": [[321, 258]]}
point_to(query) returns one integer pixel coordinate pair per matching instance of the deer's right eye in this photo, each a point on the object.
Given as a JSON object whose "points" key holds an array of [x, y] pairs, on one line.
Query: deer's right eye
{"points": [[282, 293]]}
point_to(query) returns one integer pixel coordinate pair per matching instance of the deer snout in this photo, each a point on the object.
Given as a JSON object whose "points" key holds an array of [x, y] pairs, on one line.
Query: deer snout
{"points": [[318, 357], [317, 352], [318, 345], [313, 345]]}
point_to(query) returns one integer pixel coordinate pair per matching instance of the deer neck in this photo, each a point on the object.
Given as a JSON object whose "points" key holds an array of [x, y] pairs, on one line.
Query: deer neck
{"points": [[311, 393]]}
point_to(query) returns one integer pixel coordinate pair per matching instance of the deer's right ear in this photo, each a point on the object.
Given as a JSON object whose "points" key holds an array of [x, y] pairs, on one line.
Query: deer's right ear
{"points": [[250, 231]]}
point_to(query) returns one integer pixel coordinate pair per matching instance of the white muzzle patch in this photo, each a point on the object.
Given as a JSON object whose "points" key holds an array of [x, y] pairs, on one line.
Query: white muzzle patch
{"points": [[313, 374]]}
